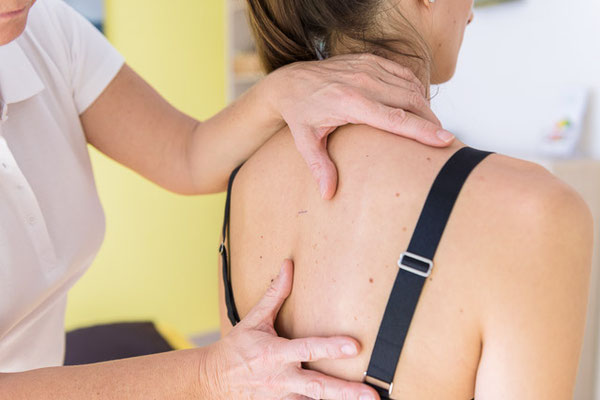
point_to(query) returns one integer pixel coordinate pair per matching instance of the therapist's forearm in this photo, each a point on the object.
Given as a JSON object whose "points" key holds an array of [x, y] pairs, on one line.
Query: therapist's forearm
{"points": [[131, 123], [223, 142], [174, 375]]}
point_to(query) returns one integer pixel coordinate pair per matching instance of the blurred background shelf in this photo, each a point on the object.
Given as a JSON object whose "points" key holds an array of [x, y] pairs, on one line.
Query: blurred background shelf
{"points": [[583, 175], [243, 65]]}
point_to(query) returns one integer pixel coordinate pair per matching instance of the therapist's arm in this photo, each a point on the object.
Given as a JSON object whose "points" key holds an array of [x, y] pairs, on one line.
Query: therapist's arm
{"points": [[131, 123], [250, 362]]}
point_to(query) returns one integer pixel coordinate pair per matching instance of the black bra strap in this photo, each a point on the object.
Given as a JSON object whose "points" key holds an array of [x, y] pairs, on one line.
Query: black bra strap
{"points": [[415, 266], [232, 312]]}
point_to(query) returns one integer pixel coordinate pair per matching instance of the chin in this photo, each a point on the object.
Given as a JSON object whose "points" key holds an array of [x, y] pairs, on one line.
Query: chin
{"points": [[8, 35], [11, 29], [443, 75]]}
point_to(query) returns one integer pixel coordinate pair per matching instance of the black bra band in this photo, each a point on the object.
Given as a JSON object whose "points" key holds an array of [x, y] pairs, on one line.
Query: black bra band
{"points": [[232, 312]]}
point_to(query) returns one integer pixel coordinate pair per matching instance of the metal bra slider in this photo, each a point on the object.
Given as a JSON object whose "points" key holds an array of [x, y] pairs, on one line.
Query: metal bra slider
{"points": [[416, 264], [379, 383]]}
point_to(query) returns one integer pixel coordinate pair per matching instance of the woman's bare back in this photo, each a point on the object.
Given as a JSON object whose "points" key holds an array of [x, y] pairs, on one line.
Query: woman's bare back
{"points": [[477, 299]]}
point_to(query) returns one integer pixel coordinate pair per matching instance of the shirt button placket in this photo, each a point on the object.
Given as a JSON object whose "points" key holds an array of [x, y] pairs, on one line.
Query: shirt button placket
{"points": [[27, 201]]}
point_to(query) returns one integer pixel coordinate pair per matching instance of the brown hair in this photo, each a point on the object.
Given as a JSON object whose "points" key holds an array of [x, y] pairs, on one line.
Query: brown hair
{"points": [[287, 31]]}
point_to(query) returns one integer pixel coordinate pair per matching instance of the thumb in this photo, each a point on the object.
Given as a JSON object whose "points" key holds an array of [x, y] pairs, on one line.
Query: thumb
{"points": [[327, 172], [279, 290], [313, 148]]}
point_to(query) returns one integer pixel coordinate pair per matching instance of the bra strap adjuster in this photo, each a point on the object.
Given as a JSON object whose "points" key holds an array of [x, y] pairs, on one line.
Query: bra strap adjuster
{"points": [[416, 264], [378, 383]]}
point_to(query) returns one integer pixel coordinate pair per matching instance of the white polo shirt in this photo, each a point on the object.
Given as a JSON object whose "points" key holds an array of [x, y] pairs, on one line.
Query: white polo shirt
{"points": [[51, 221]]}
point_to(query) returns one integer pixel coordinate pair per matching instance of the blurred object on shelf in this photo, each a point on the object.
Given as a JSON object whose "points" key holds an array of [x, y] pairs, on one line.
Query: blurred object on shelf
{"points": [[238, 5], [481, 3], [243, 65], [247, 65], [562, 137]]}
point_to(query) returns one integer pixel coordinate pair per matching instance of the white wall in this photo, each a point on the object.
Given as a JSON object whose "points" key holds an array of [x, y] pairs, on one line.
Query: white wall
{"points": [[515, 58]]}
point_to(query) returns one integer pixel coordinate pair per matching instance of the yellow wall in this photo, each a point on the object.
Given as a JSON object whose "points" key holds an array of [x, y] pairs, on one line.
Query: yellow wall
{"points": [[159, 260]]}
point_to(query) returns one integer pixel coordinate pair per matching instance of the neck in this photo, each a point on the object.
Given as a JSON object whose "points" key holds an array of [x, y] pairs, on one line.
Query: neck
{"points": [[421, 69], [403, 54]]}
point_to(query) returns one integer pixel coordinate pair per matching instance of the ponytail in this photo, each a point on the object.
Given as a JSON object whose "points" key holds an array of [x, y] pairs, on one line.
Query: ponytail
{"points": [[287, 31], [277, 47]]}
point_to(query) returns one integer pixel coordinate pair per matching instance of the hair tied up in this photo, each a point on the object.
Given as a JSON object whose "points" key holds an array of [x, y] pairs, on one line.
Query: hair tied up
{"points": [[321, 48], [281, 36], [288, 31]]}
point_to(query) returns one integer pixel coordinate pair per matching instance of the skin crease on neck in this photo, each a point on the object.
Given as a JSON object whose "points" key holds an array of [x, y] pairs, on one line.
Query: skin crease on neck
{"points": [[13, 18], [345, 252]]}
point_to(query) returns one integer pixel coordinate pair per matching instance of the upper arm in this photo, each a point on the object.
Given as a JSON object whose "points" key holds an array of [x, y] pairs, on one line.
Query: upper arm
{"points": [[91, 62], [122, 116], [132, 124], [533, 332]]}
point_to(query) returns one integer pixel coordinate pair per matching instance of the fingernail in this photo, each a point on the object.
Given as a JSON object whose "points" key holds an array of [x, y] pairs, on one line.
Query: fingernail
{"points": [[366, 396], [349, 350], [445, 136]]}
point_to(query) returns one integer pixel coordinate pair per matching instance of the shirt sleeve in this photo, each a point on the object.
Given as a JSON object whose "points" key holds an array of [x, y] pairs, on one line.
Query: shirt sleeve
{"points": [[93, 61]]}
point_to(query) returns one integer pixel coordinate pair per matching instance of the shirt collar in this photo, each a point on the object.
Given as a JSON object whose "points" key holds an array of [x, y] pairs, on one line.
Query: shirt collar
{"points": [[18, 78]]}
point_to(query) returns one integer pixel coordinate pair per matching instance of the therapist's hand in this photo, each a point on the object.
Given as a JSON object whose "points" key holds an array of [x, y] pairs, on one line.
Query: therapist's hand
{"points": [[314, 98], [252, 362]]}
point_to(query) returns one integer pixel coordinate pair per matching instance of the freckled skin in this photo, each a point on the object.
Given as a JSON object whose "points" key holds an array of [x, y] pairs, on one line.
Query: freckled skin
{"points": [[362, 232], [344, 267], [474, 303]]}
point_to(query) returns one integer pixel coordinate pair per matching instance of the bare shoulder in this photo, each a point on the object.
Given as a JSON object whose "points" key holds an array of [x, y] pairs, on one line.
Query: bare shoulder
{"points": [[526, 223], [528, 194], [535, 267]]}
